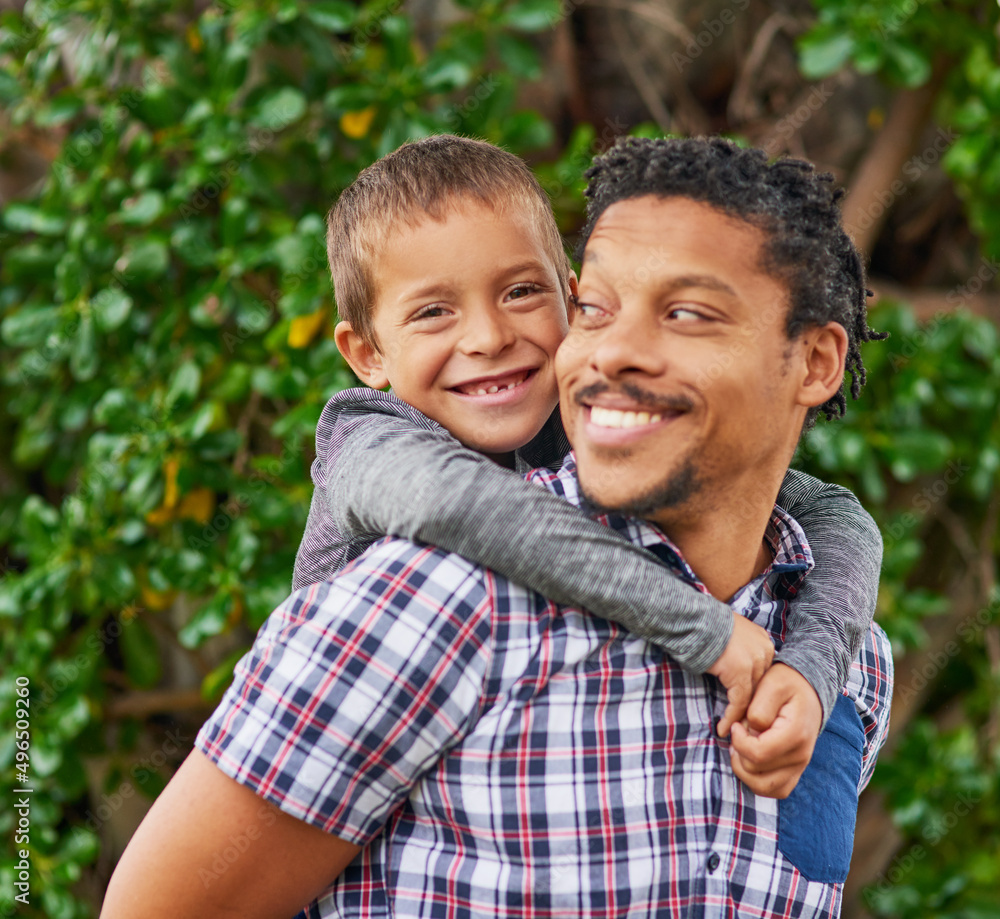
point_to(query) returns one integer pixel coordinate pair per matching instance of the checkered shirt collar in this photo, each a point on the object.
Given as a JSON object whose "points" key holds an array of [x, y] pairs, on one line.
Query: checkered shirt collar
{"points": [[792, 557]]}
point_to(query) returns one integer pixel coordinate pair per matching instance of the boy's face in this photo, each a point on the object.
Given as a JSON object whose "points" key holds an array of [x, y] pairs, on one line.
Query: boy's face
{"points": [[469, 314]]}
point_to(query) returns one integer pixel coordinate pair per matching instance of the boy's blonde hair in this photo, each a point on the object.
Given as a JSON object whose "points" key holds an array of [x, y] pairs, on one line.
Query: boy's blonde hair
{"points": [[425, 178]]}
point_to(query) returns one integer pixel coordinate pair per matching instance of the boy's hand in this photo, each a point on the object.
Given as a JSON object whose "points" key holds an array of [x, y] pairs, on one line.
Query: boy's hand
{"points": [[740, 667], [771, 752]]}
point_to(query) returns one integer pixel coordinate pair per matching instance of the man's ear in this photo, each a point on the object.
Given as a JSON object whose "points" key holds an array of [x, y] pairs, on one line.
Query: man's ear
{"points": [[824, 356], [363, 357]]}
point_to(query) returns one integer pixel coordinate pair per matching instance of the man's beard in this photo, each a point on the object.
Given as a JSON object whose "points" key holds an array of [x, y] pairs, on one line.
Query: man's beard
{"points": [[672, 492]]}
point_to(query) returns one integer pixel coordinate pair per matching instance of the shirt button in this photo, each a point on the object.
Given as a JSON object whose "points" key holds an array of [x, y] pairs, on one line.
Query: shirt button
{"points": [[713, 862]]}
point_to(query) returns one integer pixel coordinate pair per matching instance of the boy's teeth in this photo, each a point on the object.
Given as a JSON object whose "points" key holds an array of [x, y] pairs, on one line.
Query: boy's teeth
{"points": [[613, 418], [488, 391]]}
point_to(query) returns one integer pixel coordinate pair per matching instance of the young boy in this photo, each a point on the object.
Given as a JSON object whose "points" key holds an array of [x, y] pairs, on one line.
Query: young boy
{"points": [[454, 289]]}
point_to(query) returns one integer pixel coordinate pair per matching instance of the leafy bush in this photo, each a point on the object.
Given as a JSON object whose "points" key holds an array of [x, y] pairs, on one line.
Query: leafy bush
{"points": [[166, 342], [165, 352], [922, 451]]}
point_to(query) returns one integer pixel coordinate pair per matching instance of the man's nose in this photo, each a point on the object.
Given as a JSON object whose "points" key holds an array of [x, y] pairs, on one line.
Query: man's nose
{"points": [[628, 345], [488, 332]]}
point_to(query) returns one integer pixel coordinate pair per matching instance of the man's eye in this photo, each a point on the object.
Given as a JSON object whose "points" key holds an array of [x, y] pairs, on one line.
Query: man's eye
{"points": [[589, 310], [685, 315]]}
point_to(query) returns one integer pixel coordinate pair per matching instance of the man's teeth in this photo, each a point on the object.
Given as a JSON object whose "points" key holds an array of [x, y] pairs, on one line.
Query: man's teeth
{"points": [[612, 418]]}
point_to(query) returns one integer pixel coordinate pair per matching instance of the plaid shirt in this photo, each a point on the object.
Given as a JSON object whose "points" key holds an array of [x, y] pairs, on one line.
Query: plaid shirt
{"points": [[498, 755]]}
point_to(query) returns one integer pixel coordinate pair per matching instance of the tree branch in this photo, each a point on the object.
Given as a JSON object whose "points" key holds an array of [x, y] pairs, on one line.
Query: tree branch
{"points": [[879, 173], [141, 704]]}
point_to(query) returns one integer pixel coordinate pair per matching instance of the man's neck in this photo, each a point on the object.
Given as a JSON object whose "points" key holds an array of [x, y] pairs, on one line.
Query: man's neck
{"points": [[724, 542]]}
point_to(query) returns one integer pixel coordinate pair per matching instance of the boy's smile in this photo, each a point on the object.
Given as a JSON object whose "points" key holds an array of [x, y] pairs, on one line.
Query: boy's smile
{"points": [[469, 313]]}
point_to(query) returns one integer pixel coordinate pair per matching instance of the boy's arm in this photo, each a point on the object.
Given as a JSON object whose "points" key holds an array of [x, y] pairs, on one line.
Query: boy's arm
{"points": [[176, 863], [392, 470], [833, 610]]}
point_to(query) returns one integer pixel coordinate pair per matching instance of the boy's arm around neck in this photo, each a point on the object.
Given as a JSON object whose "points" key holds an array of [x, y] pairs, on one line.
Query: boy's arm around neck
{"points": [[391, 470], [833, 610]]}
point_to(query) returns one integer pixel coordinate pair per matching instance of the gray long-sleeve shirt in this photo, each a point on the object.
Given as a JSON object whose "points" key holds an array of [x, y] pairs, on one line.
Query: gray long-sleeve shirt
{"points": [[383, 467]]}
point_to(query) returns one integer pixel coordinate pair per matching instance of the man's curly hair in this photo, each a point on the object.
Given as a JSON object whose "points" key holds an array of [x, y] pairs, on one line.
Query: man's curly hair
{"points": [[796, 207]]}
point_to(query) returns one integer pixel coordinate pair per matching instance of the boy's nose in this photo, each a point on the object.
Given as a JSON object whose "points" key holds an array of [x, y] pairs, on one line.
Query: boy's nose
{"points": [[488, 334]]}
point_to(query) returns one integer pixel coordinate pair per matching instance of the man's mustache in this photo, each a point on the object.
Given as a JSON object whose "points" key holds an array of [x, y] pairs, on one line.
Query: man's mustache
{"points": [[640, 396]]}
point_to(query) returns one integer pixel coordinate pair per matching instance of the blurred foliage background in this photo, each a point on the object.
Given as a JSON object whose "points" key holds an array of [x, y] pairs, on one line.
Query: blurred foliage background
{"points": [[165, 349]]}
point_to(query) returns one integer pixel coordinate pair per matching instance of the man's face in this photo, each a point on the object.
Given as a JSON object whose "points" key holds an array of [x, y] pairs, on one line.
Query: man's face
{"points": [[673, 380]]}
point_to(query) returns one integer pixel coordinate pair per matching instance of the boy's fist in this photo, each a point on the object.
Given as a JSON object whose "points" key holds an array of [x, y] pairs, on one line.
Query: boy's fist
{"points": [[740, 667], [771, 752]]}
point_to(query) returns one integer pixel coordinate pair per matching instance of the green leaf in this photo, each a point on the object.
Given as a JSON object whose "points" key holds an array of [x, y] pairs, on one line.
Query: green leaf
{"points": [[83, 352], [208, 622], [280, 109], [241, 552], [527, 131], [62, 107], [532, 15], [397, 34], [199, 422], [333, 15], [144, 261], [235, 219], [111, 308], [185, 384], [72, 715], [349, 98], [32, 444], [907, 64], [519, 57], [142, 209], [218, 679], [114, 406], [29, 326], [115, 576], [965, 157], [820, 55], [920, 450], [24, 218], [141, 654], [444, 73], [288, 11]]}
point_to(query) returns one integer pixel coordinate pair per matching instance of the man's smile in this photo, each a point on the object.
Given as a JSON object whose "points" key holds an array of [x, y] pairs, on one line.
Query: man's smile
{"points": [[624, 413], [615, 418]]}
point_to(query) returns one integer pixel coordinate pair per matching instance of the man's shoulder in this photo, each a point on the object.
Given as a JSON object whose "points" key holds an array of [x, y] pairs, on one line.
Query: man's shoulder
{"points": [[401, 573], [395, 587]]}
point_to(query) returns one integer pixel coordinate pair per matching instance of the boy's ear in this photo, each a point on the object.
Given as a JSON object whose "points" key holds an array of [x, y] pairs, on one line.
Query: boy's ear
{"points": [[574, 293], [363, 358], [824, 354]]}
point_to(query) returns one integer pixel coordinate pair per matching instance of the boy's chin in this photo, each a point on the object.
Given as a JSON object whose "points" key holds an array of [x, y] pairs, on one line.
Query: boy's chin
{"points": [[502, 446]]}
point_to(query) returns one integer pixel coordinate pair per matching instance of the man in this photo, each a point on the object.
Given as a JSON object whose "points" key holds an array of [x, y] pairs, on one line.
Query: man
{"points": [[442, 742]]}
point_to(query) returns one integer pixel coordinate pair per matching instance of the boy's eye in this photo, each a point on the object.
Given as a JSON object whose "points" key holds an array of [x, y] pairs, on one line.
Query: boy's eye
{"points": [[429, 312], [522, 291]]}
